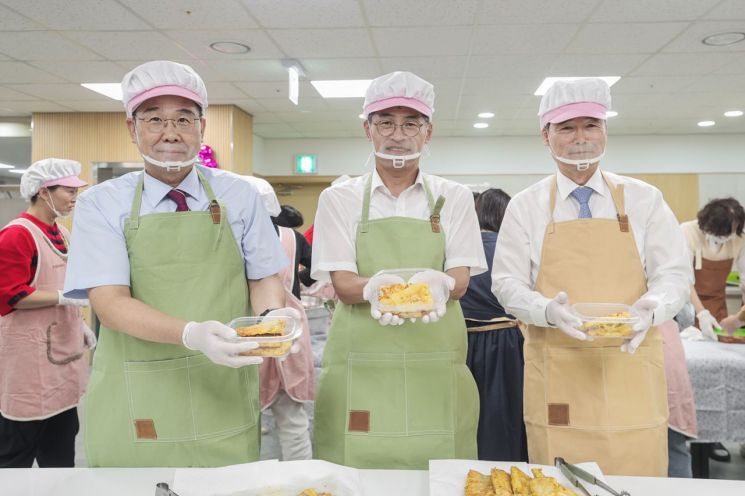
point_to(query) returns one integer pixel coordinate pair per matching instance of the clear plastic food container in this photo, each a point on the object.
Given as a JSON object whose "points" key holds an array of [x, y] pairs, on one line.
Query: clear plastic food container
{"points": [[606, 320], [275, 335], [405, 299]]}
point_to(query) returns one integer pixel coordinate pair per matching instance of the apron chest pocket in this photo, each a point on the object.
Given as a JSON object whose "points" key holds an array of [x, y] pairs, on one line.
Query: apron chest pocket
{"points": [[402, 394], [176, 399]]}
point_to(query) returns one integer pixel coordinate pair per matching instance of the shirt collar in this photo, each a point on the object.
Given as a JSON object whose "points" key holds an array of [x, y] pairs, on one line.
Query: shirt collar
{"points": [[155, 191], [377, 182], [565, 185]]}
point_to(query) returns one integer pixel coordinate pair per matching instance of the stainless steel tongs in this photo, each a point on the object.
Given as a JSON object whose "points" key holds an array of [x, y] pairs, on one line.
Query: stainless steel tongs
{"points": [[162, 489], [574, 473]]}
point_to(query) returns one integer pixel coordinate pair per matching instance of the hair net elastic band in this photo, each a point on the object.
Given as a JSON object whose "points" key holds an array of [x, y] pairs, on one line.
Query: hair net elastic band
{"points": [[398, 101]]}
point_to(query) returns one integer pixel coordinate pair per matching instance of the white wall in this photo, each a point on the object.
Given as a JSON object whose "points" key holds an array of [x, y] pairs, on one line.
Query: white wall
{"points": [[724, 153]]}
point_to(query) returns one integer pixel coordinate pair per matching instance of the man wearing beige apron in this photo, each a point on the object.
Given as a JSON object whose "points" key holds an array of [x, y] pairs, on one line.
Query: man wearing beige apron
{"points": [[396, 396], [583, 235], [167, 256]]}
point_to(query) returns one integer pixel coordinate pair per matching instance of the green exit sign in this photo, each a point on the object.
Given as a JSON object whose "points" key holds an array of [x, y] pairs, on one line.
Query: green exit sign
{"points": [[306, 164]]}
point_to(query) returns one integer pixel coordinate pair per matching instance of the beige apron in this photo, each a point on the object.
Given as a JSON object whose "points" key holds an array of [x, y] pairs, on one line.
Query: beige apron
{"points": [[588, 401]]}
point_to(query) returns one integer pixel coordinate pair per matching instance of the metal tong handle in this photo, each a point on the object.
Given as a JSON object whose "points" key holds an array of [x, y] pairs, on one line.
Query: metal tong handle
{"points": [[565, 469], [162, 489], [587, 476]]}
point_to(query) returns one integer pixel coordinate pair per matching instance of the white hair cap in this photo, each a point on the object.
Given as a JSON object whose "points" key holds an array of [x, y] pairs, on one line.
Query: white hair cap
{"points": [[268, 196], [162, 77], [399, 89], [565, 100], [50, 172]]}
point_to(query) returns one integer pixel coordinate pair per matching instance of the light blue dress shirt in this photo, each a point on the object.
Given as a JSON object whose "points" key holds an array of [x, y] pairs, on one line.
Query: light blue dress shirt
{"points": [[98, 250]]}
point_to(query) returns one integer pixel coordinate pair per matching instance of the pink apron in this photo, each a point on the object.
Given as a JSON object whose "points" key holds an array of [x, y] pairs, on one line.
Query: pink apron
{"points": [[295, 374], [43, 370], [679, 391]]}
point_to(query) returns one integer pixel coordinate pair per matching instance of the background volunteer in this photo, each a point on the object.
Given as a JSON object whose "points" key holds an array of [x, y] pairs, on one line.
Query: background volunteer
{"points": [[43, 370]]}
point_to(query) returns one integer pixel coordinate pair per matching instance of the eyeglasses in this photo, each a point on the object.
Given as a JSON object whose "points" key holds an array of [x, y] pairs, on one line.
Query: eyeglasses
{"points": [[156, 124], [409, 128]]}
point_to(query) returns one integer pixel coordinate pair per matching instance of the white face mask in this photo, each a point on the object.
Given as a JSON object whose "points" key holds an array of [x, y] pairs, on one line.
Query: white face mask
{"points": [[169, 166], [582, 163], [716, 242], [60, 215]]}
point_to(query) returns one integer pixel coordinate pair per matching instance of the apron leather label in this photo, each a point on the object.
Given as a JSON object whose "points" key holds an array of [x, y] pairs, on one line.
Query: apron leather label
{"points": [[146, 429], [623, 221], [215, 212], [359, 421], [558, 414], [435, 221]]}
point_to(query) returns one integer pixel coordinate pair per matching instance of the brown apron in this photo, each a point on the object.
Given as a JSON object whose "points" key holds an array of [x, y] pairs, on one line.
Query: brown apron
{"points": [[588, 401], [711, 283]]}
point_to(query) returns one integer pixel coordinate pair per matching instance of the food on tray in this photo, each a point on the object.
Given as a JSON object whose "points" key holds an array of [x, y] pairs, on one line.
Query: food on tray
{"points": [[609, 329], [313, 492], [406, 300], [273, 328], [517, 482], [270, 328], [501, 482], [478, 484]]}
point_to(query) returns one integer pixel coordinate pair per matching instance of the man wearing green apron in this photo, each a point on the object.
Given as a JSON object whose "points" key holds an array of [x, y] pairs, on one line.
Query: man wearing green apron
{"points": [[588, 236], [394, 393], [168, 256]]}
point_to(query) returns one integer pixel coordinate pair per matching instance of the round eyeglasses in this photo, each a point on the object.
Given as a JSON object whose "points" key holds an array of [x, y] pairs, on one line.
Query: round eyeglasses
{"points": [[156, 124], [409, 128]]}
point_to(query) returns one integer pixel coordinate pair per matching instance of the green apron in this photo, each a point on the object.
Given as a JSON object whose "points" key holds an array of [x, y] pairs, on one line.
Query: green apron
{"points": [[394, 397], [162, 405]]}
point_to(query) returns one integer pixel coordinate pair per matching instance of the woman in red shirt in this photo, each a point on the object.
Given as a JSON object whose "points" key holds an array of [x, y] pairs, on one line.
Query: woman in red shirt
{"points": [[43, 370]]}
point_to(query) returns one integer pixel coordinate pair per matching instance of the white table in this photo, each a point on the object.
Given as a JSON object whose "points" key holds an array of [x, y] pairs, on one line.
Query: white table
{"points": [[717, 372], [141, 482]]}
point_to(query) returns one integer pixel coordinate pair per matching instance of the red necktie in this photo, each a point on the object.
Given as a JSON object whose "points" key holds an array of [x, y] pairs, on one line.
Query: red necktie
{"points": [[179, 197]]}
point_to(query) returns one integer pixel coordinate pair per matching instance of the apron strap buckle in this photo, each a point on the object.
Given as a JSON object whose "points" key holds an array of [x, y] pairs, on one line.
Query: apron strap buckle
{"points": [[623, 222], [434, 219], [215, 212]]}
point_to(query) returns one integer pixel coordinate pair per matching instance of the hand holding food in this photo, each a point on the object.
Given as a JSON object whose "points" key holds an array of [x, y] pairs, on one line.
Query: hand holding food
{"points": [[371, 292], [213, 339], [440, 285], [559, 314], [644, 308]]}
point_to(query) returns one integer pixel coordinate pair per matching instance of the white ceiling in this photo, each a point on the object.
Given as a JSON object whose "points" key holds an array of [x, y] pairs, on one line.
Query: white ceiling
{"points": [[481, 55]]}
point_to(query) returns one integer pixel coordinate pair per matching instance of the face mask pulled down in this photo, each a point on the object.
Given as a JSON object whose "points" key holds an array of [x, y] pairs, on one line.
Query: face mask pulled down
{"points": [[582, 163], [57, 213], [173, 166]]}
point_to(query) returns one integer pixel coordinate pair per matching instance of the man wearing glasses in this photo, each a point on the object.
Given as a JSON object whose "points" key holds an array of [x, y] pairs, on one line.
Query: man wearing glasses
{"points": [[167, 256], [395, 393]]}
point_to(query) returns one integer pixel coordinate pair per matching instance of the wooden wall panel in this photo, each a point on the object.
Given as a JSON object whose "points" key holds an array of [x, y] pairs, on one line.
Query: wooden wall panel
{"points": [[242, 142], [302, 197], [680, 192]]}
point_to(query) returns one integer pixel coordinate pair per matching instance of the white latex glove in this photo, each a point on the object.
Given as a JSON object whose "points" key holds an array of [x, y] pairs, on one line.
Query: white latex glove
{"points": [[294, 315], [71, 302], [89, 337], [644, 308], [370, 293], [440, 285], [212, 339], [707, 323], [559, 314]]}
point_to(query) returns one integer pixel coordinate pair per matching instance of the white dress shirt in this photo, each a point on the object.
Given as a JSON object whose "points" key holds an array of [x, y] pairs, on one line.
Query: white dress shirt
{"points": [[98, 251], [734, 248], [340, 211], [658, 238]]}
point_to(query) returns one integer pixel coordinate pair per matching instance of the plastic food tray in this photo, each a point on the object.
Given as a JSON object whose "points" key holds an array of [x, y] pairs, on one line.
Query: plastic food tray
{"points": [[406, 311], [269, 346], [600, 320]]}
